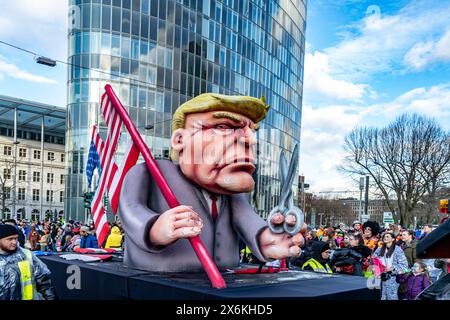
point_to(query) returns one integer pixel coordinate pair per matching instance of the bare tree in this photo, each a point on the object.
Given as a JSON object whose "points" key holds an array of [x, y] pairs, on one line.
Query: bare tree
{"points": [[4, 177], [334, 211], [407, 160]]}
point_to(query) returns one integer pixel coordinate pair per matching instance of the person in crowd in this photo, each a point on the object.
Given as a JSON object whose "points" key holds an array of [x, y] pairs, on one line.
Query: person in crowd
{"points": [[415, 281], [114, 240], [427, 229], [345, 243], [75, 240], [22, 275], [319, 262], [33, 238], [356, 242], [356, 227], [329, 237], [394, 262], [408, 245], [67, 244], [339, 238], [371, 230], [67, 232], [58, 239], [88, 240], [43, 241], [12, 222]]}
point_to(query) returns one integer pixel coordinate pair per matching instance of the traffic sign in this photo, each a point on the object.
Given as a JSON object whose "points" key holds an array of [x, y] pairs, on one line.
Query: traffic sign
{"points": [[387, 217]]}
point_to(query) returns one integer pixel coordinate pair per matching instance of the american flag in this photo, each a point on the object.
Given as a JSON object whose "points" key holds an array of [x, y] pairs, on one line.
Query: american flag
{"points": [[111, 175]]}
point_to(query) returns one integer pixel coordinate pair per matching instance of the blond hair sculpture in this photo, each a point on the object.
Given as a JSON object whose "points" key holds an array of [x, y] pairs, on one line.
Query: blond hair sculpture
{"points": [[253, 108]]}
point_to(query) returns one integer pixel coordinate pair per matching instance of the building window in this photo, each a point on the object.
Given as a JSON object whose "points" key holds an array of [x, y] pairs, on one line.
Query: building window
{"points": [[49, 196], [22, 175], [21, 194], [37, 154], [36, 194], [35, 215], [6, 173], [7, 150], [50, 177], [7, 192], [62, 157], [22, 153], [61, 196], [51, 156], [62, 179], [36, 176]]}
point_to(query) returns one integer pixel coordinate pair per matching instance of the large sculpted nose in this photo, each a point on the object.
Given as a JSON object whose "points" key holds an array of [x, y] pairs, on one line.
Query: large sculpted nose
{"points": [[247, 137]]}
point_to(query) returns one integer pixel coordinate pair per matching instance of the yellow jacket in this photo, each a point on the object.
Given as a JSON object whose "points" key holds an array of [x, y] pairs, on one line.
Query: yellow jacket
{"points": [[114, 239]]}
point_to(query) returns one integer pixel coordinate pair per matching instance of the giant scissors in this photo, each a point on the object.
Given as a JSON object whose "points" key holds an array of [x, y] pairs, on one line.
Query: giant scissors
{"points": [[286, 205]]}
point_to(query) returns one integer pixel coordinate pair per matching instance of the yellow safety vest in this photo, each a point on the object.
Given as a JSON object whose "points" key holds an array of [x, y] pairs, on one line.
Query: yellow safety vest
{"points": [[26, 278], [317, 267]]}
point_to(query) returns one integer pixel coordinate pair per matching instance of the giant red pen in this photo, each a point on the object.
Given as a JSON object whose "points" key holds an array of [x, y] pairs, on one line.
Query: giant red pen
{"points": [[200, 250]]}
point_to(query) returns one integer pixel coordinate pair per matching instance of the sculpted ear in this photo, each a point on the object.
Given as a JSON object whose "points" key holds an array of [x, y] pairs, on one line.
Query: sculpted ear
{"points": [[177, 140]]}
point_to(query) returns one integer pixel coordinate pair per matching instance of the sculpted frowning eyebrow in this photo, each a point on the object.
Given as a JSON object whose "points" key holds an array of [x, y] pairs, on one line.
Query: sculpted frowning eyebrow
{"points": [[227, 115]]}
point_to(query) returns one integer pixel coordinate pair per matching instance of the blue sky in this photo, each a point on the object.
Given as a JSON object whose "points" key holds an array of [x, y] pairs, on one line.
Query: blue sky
{"points": [[366, 63]]}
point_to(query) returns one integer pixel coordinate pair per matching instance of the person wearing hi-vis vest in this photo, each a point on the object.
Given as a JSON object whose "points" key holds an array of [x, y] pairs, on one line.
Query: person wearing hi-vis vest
{"points": [[320, 257], [22, 275]]}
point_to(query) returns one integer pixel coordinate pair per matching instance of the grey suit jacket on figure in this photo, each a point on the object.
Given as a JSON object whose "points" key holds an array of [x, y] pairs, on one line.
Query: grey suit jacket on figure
{"points": [[141, 203]]}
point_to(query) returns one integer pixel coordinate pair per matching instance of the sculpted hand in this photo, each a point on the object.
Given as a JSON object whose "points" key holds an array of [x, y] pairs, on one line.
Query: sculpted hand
{"points": [[176, 223], [281, 245]]}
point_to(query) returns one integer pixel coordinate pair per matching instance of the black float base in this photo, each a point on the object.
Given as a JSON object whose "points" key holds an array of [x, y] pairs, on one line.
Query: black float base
{"points": [[113, 280]]}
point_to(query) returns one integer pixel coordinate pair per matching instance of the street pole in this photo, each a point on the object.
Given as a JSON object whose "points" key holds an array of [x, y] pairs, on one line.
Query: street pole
{"points": [[366, 205], [41, 213], [14, 213], [361, 188], [51, 183]]}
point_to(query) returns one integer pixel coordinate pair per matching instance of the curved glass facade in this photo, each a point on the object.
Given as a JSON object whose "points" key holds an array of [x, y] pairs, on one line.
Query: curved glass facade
{"points": [[157, 54]]}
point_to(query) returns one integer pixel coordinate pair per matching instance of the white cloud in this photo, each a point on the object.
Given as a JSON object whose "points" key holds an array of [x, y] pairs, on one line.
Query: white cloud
{"points": [[382, 41], [318, 80], [425, 53], [324, 130], [13, 71], [37, 25]]}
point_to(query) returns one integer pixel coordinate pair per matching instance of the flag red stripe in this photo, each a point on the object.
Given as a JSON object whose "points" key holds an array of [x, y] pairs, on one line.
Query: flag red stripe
{"points": [[111, 143], [130, 161]]}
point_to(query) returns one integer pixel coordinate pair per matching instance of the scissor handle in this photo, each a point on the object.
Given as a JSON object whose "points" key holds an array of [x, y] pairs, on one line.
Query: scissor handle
{"points": [[285, 227], [299, 221], [275, 228]]}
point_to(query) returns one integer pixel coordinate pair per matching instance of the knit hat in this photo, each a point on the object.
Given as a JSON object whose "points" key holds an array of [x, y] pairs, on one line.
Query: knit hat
{"points": [[84, 228], [355, 222], [7, 230]]}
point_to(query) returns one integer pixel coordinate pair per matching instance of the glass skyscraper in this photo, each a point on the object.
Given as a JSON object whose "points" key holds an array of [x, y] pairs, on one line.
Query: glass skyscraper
{"points": [[157, 54]]}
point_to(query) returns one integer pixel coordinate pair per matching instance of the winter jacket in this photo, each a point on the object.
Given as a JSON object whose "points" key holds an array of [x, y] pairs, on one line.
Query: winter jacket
{"points": [[89, 242], [389, 288], [114, 239], [348, 257], [10, 279], [316, 259], [413, 284], [399, 262], [410, 252]]}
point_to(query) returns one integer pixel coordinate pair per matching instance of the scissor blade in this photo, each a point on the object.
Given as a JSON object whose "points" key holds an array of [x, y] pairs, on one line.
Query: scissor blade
{"points": [[283, 169], [292, 170]]}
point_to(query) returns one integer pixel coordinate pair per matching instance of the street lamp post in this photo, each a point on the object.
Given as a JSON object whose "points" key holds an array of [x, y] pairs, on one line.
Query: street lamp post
{"points": [[15, 142], [51, 183], [361, 188]]}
